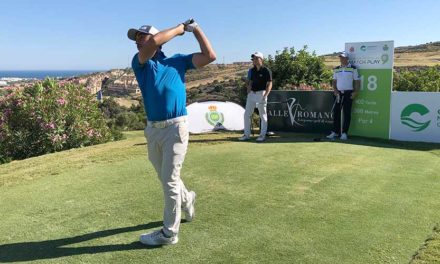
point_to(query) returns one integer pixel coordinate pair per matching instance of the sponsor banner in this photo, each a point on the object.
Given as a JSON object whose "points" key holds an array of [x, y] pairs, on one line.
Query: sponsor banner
{"points": [[415, 116], [213, 116], [371, 109], [300, 111], [371, 55]]}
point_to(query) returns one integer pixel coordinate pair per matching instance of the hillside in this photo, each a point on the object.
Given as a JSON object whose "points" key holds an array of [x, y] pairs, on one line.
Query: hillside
{"points": [[406, 56], [215, 72], [225, 81]]}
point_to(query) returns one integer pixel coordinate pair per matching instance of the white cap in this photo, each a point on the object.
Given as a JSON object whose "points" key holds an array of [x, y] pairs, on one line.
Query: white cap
{"points": [[144, 29], [257, 54], [343, 55]]}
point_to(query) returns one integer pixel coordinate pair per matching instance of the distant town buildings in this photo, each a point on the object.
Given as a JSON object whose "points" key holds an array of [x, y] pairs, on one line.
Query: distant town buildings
{"points": [[120, 83], [112, 83]]}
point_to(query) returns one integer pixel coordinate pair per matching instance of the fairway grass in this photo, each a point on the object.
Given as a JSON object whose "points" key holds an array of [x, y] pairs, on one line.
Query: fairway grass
{"points": [[288, 200]]}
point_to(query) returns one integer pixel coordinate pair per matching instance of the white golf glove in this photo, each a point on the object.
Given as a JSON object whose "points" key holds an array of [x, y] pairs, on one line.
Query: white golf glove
{"points": [[190, 25]]}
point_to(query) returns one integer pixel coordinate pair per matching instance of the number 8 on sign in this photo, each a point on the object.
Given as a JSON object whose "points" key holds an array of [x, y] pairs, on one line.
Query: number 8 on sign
{"points": [[372, 82]]}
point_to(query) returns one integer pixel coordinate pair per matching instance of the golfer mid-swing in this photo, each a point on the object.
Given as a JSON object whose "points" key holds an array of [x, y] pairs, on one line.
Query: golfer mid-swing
{"points": [[162, 83]]}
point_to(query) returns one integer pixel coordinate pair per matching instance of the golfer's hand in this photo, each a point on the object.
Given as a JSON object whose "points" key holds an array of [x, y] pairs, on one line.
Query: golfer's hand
{"points": [[335, 92], [190, 25], [183, 32]]}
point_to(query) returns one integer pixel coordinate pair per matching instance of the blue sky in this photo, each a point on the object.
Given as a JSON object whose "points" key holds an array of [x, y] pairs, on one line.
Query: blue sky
{"points": [[91, 34]]}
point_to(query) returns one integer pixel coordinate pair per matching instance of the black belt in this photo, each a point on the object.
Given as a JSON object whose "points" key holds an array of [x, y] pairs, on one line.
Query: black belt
{"points": [[345, 91]]}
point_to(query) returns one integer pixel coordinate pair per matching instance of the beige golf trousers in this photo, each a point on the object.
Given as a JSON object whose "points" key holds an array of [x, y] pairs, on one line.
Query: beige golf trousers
{"points": [[255, 99], [167, 143]]}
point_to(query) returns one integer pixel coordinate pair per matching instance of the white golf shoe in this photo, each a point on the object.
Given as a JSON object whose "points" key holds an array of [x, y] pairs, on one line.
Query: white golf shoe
{"points": [[158, 238], [261, 139], [332, 135], [190, 210], [344, 136]]}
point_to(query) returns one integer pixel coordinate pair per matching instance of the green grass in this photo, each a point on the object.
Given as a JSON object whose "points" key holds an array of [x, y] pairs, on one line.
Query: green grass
{"points": [[430, 251], [289, 200]]}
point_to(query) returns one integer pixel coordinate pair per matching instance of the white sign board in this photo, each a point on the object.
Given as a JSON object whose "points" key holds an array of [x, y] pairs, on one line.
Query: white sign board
{"points": [[415, 116], [214, 115], [371, 55]]}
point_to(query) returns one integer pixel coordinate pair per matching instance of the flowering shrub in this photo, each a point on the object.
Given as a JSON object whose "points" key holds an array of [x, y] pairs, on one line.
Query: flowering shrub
{"points": [[49, 117]]}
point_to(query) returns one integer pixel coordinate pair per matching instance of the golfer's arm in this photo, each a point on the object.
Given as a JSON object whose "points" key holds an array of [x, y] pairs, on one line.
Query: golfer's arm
{"points": [[334, 85], [356, 85], [268, 88], [207, 54], [249, 87], [148, 50]]}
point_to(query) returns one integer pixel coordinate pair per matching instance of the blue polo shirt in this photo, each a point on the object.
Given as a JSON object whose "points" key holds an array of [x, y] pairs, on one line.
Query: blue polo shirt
{"points": [[162, 83]]}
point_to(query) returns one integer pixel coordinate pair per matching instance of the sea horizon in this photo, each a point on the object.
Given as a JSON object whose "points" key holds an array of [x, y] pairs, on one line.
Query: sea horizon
{"points": [[42, 74]]}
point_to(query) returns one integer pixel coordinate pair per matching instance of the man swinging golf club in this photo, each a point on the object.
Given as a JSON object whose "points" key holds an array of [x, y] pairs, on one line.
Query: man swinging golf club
{"points": [[162, 83]]}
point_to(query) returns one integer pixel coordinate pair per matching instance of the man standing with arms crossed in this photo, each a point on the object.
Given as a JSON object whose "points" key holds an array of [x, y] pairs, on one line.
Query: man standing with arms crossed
{"points": [[345, 84], [260, 84], [162, 83]]}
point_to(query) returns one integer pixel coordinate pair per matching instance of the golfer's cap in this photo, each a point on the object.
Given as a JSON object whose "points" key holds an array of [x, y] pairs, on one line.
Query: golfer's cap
{"points": [[257, 54], [343, 54], [144, 29]]}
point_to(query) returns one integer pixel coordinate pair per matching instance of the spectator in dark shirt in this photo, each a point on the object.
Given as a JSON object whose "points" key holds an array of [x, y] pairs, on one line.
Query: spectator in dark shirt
{"points": [[260, 84]]}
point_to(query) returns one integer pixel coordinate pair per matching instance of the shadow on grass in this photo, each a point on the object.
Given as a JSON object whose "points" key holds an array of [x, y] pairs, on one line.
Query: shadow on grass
{"points": [[285, 137], [429, 251], [384, 143], [207, 138], [291, 137], [214, 140], [49, 249]]}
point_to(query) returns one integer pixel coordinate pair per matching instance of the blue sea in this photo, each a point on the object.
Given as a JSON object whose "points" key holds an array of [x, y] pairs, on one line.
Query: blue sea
{"points": [[43, 74]]}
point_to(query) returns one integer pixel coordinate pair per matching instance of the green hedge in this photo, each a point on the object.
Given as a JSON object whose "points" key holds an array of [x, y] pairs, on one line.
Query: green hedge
{"points": [[423, 80]]}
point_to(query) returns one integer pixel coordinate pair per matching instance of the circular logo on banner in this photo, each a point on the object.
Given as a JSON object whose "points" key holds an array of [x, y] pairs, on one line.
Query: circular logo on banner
{"points": [[414, 125], [363, 48], [213, 117]]}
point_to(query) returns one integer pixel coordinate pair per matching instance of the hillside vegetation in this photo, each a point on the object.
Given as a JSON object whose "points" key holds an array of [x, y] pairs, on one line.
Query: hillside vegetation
{"points": [[405, 57], [415, 70], [215, 72]]}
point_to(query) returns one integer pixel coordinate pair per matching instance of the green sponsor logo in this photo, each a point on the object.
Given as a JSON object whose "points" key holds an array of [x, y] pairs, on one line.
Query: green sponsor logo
{"points": [[411, 123], [363, 48], [385, 47], [213, 117]]}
